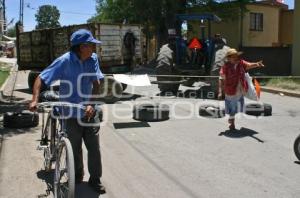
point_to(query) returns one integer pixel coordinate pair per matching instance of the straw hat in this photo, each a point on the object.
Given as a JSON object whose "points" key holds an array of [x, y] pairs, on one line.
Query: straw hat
{"points": [[232, 52]]}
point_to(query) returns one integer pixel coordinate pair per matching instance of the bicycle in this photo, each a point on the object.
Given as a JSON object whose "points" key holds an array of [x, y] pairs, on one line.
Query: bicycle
{"points": [[57, 148]]}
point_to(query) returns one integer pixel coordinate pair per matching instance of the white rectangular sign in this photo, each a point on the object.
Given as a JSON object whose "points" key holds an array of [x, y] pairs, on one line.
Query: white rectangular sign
{"points": [[133, 80]]}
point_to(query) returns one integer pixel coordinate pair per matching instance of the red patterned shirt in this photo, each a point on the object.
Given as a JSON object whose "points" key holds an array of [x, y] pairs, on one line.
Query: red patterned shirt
{"points": [[233, 75]]}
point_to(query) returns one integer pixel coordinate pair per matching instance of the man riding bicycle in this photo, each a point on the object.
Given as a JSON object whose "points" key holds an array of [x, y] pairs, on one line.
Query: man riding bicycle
{"points": [[79, 74]]}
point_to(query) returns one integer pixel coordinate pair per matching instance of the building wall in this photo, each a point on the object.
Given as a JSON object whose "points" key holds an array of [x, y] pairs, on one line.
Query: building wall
{"points": [[286, 27], [230, 30], [270, 34]]}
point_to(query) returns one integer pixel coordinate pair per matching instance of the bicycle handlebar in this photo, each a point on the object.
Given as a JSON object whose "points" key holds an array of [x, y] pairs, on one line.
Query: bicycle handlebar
{"points": [[44, 105]]}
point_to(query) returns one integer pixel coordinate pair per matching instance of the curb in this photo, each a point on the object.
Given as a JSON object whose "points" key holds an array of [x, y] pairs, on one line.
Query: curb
{"points": [[1, 97], [281, 91], [13, 67]]}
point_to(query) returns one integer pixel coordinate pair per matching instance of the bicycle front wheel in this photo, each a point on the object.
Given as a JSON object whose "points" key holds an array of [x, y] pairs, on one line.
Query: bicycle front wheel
{"points": [[297, 147], [64, 177]]}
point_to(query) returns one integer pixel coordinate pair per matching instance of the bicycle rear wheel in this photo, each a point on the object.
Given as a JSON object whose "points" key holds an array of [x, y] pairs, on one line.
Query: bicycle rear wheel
{"points": [[64, 176]]}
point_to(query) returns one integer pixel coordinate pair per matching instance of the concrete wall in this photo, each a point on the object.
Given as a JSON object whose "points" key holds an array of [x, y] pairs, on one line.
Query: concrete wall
{"points": [[296, 43], [230, 30], [270, 34], [286, 27]]}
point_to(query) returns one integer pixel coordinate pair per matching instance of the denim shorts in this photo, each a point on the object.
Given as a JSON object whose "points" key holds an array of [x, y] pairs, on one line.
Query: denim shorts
{"points": [[234, 106]]}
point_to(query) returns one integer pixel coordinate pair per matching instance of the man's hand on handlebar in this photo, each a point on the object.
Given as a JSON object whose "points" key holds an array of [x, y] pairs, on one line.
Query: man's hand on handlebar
{"points": [[33, 106], [89, 112]]}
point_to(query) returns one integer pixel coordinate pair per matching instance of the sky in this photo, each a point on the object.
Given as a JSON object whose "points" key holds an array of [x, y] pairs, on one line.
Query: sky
{"points": [[71, 11]]}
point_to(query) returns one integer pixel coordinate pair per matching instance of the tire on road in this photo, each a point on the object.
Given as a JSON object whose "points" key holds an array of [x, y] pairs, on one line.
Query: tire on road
{"points": [[297, 147], [124, 86], [151, 112], [258, 109], [24, 119], [110, 90], [211, 111]]}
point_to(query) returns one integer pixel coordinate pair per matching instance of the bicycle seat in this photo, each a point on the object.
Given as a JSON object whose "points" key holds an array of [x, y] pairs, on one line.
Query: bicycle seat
{"points": [[49, 96]]}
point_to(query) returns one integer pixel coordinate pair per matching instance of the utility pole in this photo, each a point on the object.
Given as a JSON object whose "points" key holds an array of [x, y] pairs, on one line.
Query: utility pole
{"points": [[21, 11], [4, 17], [296, 42]]}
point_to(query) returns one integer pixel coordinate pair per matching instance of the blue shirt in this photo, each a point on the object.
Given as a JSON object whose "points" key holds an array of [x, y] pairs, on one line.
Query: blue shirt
{"points": [[76, 78]]}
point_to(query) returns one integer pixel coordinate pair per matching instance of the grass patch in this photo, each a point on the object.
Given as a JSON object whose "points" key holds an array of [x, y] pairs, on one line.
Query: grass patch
{"points": [[285, 83], [3, 76], [4, 72]]}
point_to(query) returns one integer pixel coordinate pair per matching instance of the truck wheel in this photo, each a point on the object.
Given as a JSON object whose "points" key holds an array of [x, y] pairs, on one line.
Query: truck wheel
{"points": [[24, 119], [211, 111], [165, 67], [297, 147], [151, 112], [110, 90], [31, 79]]}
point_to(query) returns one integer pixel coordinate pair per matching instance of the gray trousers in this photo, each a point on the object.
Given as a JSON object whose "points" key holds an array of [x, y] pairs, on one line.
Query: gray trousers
{"points": [[90, 135]]}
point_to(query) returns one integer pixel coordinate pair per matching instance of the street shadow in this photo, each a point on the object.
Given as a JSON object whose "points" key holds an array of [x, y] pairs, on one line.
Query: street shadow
{"points": [[242, 133], [48, 178], [128, 125], [9, 132], [82, 190], [26, 90]]}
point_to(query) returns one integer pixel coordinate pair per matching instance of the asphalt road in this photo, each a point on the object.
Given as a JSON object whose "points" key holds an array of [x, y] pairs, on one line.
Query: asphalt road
{"points": [[185, 157]]}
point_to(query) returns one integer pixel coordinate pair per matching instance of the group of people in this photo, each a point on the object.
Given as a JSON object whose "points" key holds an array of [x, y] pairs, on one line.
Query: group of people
{"points": [[81, 59]]}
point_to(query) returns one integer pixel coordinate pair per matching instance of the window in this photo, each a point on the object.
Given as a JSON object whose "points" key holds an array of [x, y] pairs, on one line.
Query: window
{"points": [[256, 21]]}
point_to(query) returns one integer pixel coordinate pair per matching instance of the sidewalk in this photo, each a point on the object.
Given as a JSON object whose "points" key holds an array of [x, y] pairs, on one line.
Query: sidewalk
{"points": [[4, 89], [285, 92]]}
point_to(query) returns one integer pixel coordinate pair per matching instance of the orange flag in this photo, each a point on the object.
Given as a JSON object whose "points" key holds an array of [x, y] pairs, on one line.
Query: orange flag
{"points": [[257, 87]]}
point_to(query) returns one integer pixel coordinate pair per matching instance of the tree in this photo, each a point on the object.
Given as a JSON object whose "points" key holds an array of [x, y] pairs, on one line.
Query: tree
{"points": [[158, 15], [47, 16], [11, 32]]}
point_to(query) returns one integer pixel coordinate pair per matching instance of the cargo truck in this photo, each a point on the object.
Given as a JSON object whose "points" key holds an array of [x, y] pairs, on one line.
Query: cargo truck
{"points": [[120, 51]]}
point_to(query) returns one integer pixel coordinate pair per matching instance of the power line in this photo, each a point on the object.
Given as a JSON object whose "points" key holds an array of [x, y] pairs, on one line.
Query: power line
{"points": [[61, 11]]}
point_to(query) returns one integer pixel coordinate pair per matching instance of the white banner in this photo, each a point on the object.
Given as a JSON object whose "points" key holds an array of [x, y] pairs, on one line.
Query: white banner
{"points": [[133, 80]]}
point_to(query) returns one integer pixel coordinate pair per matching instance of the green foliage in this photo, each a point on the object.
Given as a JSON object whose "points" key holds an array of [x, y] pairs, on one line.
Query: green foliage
{"points": [[47, 16], [158, 15], [285, 83], [11, 32]]}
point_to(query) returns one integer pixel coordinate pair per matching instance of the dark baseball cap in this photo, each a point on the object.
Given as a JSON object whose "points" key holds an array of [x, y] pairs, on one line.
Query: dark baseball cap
{"points": [[83, 36]]}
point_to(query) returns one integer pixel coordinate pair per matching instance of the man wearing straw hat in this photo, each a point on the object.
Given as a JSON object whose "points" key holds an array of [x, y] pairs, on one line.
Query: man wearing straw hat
{"points": [[232, 79]]}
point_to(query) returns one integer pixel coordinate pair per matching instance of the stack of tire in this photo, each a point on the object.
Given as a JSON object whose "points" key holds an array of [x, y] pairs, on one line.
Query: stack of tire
{"points": [[258, 109], [22, 119]]}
